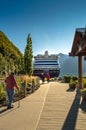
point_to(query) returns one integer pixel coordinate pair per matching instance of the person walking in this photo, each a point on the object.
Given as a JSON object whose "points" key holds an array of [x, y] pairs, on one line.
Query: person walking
{"points": [[10, 84], [48, 77], [42, 77]]}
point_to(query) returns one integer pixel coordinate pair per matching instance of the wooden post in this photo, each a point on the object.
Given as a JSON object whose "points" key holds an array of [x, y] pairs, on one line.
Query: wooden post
{"points": [[80, 71], [33, 85], [25, 88]]}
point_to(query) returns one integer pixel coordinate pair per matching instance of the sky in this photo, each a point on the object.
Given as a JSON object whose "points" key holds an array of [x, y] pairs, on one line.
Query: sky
{"points": [[51, 23]]}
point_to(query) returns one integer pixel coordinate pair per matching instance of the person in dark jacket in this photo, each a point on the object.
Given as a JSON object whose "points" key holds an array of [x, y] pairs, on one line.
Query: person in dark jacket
{"points": [[10, 84], [42, 77]]}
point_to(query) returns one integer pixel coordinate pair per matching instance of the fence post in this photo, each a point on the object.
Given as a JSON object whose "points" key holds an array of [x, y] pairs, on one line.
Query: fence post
{"points": [[33, 85], [25, 88]]}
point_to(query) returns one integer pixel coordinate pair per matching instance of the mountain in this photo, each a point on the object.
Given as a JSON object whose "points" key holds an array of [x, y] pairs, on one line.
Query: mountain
{"points": [[69, 65], [62, 57]]}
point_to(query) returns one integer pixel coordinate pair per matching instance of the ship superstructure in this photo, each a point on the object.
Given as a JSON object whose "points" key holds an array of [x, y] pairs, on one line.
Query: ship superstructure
{"points": [[46, 64]]}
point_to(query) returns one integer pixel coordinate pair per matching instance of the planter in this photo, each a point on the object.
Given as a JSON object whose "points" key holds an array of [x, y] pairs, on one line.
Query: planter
{"points": [[72, 85], [83, 94]]}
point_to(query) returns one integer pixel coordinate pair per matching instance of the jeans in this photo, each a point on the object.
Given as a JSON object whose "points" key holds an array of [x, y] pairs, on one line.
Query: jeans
{"points": [[10, 94]]}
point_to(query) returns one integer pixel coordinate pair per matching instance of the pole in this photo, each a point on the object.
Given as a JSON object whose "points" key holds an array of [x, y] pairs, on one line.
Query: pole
{"points": [[19, 99]]}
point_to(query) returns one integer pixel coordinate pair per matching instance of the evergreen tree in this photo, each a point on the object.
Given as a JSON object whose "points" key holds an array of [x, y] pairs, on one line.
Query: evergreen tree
{"points": [[28, 55]]}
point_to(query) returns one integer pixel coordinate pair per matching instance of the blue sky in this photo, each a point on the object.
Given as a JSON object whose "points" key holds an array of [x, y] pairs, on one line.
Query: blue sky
{"points": [[51, 23]]}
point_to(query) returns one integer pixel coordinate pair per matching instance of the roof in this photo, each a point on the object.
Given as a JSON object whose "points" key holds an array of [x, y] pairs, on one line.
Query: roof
{"points": [[79, 43]]}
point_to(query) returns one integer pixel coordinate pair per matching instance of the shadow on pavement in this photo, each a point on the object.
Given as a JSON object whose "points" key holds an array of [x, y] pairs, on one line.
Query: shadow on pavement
{"points": [[70, 121], [70, 90], [5, 111]]}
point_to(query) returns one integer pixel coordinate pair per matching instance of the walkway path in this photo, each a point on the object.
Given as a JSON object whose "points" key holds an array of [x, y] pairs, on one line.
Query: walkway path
{"points": [[52, 107]]}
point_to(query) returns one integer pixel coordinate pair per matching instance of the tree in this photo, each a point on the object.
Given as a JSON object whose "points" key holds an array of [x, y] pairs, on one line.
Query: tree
{"points": [[28, 55]]}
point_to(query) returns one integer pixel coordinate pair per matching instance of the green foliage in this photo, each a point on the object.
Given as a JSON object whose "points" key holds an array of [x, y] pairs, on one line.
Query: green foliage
{"points": [[85, 84], [73, 81], [67, 78], [2, 92], [74, 78], [83, 90], [84, 81], [10, 56], [23, 82], [28, 57], [70, 79]]}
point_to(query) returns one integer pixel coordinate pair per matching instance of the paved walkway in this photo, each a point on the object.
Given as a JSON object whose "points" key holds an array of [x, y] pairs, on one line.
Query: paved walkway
{"points": [[52, 107]]}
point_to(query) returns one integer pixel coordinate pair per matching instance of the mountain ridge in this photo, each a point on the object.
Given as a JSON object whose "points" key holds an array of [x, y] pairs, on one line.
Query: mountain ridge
{"points": [[69, 65]]}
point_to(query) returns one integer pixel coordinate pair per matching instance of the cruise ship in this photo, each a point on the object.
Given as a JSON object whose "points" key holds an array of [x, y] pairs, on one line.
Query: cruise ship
{"points": [[46, 64]]}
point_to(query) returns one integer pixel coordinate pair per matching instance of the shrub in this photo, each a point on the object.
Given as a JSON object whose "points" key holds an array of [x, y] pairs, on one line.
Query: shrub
{"points": [[83, 90], [67, 78], [2, 92], [74, 78], [84, 84]]}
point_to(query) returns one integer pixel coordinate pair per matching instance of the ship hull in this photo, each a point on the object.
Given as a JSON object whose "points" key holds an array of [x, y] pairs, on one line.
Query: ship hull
{"points": [[53, 73]]}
